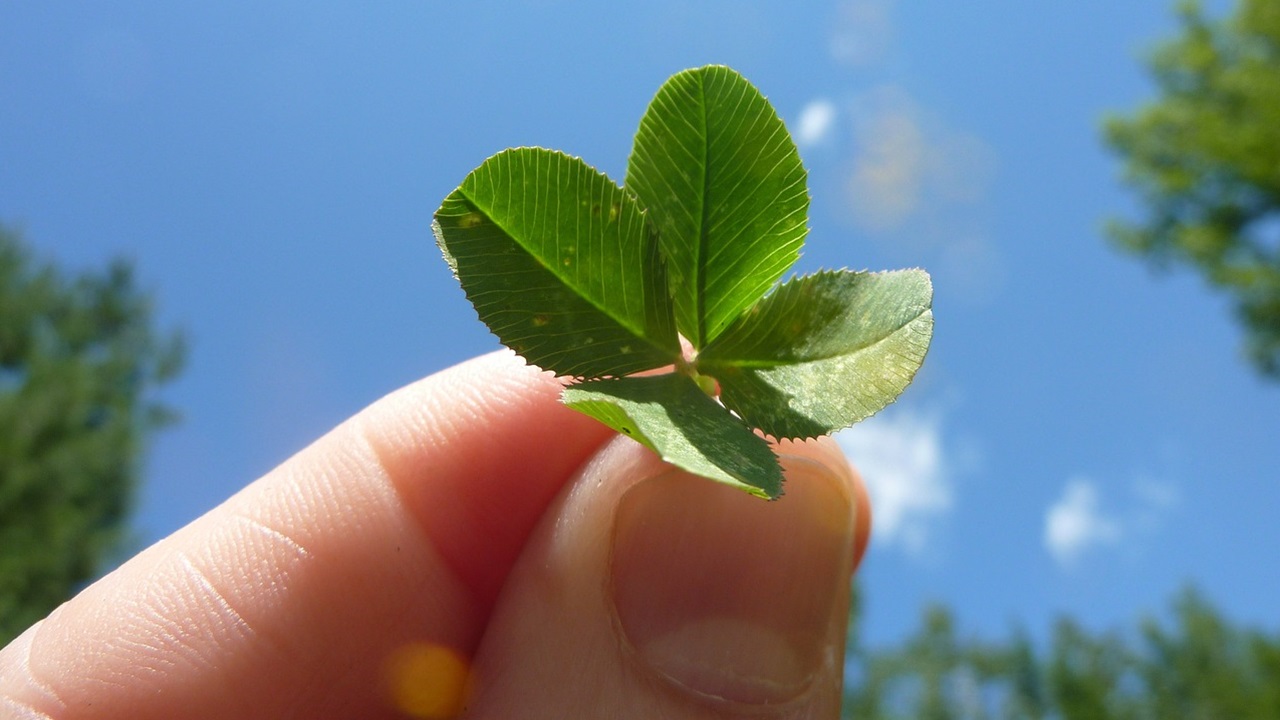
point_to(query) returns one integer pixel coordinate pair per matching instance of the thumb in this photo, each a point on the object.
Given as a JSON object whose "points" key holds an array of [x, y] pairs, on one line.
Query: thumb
{"points": [[646, 592]]}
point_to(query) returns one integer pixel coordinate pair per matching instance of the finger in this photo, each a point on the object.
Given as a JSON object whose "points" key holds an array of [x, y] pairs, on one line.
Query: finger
{"points": [[861, 501], [862, 523], [300, 595], [646, 592]]}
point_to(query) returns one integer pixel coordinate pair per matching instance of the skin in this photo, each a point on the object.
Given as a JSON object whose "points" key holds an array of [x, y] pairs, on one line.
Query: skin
{"points": [[469, 546]]}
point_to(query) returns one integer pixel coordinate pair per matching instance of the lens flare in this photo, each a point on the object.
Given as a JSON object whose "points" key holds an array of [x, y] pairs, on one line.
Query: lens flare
{"points": [[427, 680]]}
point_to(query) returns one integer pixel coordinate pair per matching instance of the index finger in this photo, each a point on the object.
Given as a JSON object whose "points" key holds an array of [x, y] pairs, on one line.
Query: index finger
{"points": [[397, 527]]}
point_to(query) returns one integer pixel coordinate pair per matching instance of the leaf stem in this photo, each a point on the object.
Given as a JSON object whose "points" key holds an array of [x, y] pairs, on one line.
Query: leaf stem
{"points": [[689, 366]]}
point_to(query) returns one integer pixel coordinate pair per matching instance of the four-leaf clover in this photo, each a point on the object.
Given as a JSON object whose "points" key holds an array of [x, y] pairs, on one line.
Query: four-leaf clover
{"points": [[597, 282]]}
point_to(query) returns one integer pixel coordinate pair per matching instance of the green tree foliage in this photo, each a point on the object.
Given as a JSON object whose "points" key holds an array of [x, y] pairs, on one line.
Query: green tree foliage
{"points": [[1192, 666], [1086, 675], [1205, 159], [79, 358], [1204, 668]]}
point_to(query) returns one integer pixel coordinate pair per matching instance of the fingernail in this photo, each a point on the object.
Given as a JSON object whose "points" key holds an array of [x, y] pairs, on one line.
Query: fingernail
{"points": [[731, 597]]}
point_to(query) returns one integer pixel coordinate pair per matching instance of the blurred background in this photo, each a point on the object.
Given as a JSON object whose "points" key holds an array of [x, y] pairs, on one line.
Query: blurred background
{"points": [[1081, 486]]}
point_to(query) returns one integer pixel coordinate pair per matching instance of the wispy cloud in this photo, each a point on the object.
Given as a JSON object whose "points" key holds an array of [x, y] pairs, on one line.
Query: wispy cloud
{"points": [[862, 33], [907, 164], [907, 177], [920, 187], [815, 122], [902, 459], [890, 166], [1077, 524], [1154, 502], [1155, 495]]}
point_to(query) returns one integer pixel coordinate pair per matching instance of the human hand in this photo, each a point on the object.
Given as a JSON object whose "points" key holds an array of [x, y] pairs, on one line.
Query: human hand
{"points": [[468, 543]]}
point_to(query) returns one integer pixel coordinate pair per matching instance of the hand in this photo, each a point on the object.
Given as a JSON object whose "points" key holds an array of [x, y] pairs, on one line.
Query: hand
{"points": [[469, 545]]}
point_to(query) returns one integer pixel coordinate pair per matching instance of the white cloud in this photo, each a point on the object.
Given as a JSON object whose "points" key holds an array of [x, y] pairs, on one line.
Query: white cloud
{"points": [[901, 458], [1075, 523], [815, 123]]}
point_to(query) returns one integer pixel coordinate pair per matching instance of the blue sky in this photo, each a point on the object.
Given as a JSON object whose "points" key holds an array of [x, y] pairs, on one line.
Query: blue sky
{"points": [[1084, 437]]}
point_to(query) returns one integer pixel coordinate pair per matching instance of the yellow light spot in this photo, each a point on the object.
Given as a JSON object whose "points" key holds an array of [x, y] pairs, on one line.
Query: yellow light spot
{"points": [[540, 320], [427, 681], [470, 220]]}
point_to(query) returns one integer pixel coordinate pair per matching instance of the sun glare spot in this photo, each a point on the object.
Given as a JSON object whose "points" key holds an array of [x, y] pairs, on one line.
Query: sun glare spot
{"points": [[427, 680]]}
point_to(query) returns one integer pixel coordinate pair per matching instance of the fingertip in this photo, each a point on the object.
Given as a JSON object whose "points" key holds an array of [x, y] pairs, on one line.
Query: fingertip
{"points": [[827, 451], [476, 453], [862, 521]]}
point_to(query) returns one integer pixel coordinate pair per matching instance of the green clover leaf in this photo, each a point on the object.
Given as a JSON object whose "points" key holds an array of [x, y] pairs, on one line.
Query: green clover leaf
{"points": [[560, 263], [718, 173], [592, 282]]}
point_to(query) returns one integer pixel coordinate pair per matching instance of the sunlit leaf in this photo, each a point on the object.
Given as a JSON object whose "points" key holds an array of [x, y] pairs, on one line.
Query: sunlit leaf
{"points": [[674, 418], [824, 351], [721, 179], [560, 264]]}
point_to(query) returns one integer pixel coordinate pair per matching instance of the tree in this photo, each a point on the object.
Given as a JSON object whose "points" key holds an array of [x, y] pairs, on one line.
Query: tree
{"points": [[1197, 666], [1086, 674], [1205, 160], [1203, 667], [79, 359]]}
